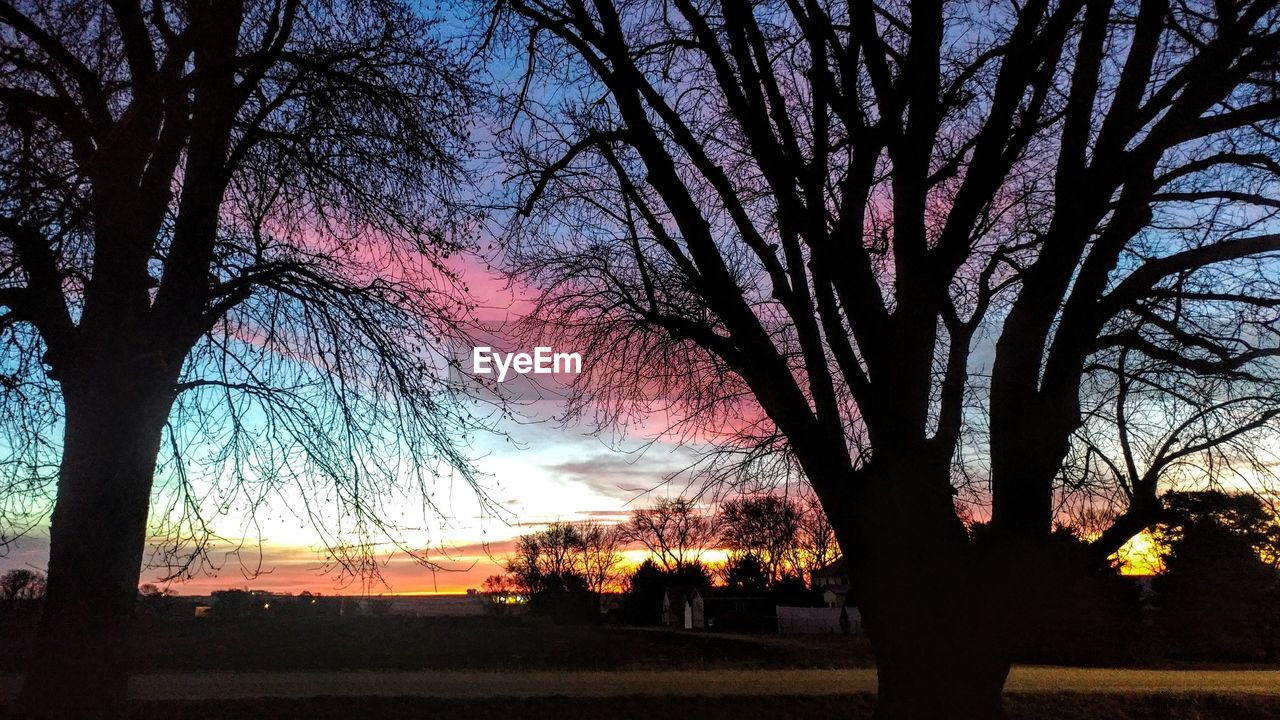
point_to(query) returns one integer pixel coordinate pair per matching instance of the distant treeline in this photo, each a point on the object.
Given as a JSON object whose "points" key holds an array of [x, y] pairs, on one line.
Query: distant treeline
{"points": [[1216, 596]]}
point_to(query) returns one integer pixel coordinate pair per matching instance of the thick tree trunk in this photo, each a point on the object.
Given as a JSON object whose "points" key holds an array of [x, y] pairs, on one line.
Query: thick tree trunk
{"points": [[936, 655], [114, 418], [941, 612], [938, 687]]}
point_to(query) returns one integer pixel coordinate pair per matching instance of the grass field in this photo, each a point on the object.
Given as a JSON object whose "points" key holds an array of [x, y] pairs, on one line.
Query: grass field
{"points": [[669, 683], [462, 643], [779, 707], [394, 667]]}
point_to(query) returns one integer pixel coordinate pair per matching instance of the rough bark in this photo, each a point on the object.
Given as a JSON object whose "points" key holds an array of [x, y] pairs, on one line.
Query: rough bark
{"points": [[115, 416]]}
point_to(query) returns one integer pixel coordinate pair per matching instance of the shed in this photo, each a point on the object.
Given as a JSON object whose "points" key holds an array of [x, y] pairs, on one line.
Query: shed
{"points": [[683, 608]]}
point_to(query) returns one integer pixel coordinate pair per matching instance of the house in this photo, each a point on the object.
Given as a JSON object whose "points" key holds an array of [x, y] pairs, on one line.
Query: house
{"points": [[683, 608], [832, 580], [831, 574]]}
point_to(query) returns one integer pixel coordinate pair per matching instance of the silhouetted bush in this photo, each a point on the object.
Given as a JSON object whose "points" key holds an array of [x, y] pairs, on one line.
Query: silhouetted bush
{"points": [[642, 601], [1218, 598]]}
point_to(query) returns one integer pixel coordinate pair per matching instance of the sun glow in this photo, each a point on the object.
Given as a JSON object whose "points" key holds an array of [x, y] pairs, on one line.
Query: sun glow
{"points": [[1139, 556]]}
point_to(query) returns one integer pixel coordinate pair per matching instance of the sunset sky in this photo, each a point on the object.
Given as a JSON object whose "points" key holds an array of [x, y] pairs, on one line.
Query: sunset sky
{"points": [[546, 473], [535, 469]]}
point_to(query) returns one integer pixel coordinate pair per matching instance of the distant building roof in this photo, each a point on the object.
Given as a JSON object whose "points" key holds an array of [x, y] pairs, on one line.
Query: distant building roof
{"points": [[681, 595], [833, 569]]}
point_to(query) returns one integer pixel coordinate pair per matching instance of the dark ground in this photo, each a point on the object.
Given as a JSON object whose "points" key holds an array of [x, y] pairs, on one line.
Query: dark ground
{"points": [[178, 645], [463, 643], [855, 707]]}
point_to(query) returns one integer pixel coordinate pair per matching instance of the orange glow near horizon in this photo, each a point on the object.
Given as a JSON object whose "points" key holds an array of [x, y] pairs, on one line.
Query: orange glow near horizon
{"points": [[1139, 556], [402, 577], [293, 573]]}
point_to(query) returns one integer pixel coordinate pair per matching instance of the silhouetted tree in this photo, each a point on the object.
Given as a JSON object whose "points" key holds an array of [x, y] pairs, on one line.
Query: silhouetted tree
{"points": [[21, 584], [765, 528], [564, 567], [601, 555], [675, 532], [499, 592], [746, 573], [883, 244], [1219, 591], [815, 538], [154, 600], [222, 233], [234, 603], [1150, 427], [642, 596], [20, 589], [549, 561], [648, 583]]}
